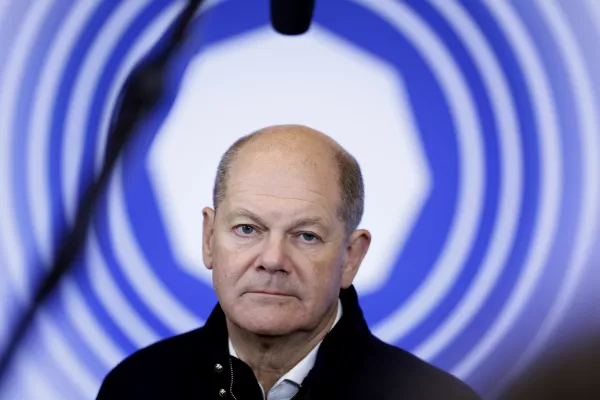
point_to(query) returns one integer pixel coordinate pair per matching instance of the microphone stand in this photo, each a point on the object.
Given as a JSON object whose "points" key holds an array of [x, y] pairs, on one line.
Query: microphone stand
{"points": [[138, 98]]}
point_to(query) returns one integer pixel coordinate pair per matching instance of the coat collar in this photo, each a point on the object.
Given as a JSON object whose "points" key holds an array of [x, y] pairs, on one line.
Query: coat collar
{"points": [[338, 349], [342, 345]]}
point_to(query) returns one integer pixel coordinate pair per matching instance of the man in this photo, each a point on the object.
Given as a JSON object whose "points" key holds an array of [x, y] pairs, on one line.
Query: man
{"points": [[284, 247]]}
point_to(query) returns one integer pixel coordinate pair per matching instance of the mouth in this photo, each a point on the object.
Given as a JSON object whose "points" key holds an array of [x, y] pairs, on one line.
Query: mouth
{"points": [[269, 293]]}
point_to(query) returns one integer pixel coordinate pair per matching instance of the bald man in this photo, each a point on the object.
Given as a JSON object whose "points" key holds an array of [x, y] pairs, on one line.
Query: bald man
{"points": [[283, 245]]}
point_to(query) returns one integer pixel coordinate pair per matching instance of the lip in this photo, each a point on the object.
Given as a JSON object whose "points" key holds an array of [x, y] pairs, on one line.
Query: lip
{"points": [[269, 292]]}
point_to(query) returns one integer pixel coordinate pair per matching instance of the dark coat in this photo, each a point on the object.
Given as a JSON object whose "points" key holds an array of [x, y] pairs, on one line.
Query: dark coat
{"points": [[351, 364]]}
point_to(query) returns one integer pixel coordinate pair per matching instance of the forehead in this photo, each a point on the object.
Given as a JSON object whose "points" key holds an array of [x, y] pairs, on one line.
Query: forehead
{"points": [[286, 180]]}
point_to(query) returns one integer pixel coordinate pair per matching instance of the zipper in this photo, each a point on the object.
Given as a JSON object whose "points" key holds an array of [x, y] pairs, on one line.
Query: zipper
{"points": [[231, 381]]}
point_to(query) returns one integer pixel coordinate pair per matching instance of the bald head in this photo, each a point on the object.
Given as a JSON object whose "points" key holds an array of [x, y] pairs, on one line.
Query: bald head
{"points": [[290, 146]]}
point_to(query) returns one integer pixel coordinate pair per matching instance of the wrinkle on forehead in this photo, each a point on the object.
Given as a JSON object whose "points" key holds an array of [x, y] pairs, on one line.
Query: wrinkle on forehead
{"points": [[288, 163], [287, 155], [301, 202], [280, 192]]}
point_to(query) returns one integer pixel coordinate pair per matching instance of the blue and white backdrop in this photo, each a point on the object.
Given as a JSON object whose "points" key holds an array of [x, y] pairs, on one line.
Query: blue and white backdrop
{"points": [[476, 124]]}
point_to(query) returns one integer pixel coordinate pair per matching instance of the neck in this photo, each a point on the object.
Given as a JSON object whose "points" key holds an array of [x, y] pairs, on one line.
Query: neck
{"points": [[271, 357]]}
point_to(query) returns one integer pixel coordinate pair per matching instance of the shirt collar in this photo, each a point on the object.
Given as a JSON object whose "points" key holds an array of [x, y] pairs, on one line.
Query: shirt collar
{"points": [[300, 370]]}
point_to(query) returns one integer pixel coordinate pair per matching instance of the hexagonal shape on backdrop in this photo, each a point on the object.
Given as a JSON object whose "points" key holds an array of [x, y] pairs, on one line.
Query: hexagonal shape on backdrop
{"points": [[319, 80]]}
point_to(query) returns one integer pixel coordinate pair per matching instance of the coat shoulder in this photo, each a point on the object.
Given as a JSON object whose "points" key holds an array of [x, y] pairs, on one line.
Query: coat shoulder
{"points": [[154, 363], [160, 354]]}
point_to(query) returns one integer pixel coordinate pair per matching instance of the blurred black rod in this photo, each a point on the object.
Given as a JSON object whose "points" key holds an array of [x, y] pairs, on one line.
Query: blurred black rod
{"points": [[140, 95]]}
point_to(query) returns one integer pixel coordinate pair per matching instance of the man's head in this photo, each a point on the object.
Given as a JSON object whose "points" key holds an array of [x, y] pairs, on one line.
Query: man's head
{"points": [[283, 238]]}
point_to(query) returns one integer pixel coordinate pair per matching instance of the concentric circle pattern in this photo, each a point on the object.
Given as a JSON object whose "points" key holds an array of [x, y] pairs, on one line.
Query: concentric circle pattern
{"points": [[476, 124]]}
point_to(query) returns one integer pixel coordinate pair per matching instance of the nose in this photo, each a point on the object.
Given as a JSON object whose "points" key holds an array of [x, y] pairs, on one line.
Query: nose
{"points": [[273, 258]]}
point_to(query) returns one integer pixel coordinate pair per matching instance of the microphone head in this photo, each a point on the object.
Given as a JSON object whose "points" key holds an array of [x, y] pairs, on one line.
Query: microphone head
{"points": [[291, 17]]}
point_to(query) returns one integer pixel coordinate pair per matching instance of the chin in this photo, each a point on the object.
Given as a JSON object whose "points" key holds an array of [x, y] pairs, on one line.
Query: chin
{"points": [[270, 331], [267, 321]]}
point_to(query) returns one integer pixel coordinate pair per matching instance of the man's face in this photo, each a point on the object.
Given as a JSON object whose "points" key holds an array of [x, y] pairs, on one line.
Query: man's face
{"points": [[278, 250]]}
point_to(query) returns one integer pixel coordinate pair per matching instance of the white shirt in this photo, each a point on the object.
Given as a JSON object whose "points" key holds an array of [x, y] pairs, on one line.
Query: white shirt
{"points": [[288, 385]]}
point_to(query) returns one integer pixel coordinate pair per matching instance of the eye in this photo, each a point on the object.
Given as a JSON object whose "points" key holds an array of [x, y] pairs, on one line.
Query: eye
{"points": [[309, 237], [245, 230]]}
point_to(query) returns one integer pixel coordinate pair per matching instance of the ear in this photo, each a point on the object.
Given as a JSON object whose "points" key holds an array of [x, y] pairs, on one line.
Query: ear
{"points": [[358, 244], [207, 236]]}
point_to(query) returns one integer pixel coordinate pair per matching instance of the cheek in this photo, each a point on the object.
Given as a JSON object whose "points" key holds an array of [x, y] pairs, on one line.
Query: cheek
{"points": [[230, 260], [325, 268], [226, 275]]}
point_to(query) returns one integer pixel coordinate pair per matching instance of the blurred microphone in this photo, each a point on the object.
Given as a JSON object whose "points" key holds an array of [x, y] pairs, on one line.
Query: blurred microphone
{"points": [[291, 17]]}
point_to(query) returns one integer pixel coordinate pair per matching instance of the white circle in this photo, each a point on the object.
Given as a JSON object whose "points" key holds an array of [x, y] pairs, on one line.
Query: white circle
{"points": [[511, 182], [550, 187], [586, 104], [470, 197]]}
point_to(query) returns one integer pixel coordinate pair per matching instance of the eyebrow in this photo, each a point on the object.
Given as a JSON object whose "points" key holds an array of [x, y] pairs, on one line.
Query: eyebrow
{"points": [[308, 221], [242, 212], [301, 222]]}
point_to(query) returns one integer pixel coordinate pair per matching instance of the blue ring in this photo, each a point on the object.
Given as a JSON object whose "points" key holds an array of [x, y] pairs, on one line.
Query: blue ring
{"points": [[100, 96], [535, 311], [20, 166], [492, 175], [488, 313], [138, 189], [59, 224]]}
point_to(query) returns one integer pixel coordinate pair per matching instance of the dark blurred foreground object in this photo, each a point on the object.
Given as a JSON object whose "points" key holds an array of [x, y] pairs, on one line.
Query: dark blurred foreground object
{"points": [[571, 373], [138, 98], [291, 17]]}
